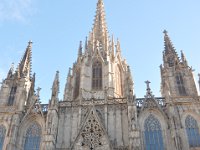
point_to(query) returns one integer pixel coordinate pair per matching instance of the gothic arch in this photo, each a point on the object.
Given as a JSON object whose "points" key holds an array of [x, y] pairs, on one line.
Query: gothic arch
{"points": [[196, 118], [97, 75], [163, 124], [24, 126], [144, 115], [33, 137]]}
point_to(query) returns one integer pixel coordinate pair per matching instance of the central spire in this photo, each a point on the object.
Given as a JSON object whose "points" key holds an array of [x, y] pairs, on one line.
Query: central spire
{"points": [[100, 28]]}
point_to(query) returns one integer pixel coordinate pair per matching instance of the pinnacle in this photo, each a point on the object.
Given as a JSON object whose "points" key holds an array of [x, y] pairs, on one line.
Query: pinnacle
{"points": [[25, 64], [168, 44], [100, 27]]}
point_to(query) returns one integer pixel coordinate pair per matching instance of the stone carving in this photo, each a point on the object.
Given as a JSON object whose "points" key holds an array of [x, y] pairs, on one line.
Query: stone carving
{"points": [[87, 95], [92, 133]]}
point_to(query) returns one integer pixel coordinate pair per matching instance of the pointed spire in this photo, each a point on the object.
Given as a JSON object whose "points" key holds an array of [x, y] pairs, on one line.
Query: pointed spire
{"points": [[80, 49], [168, 44], [11, 71], [100, 27], [86, 44], [55, 87], [24, 68], [118, 47], [32, 90], [183, 58], [113, 46]]}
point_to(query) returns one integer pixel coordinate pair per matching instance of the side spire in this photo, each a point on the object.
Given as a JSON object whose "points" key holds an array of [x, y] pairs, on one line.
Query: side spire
{"points": [[80, 49], [11, 71], [169, 48], [183, 58], [55, 91], [55, 87], [24, 68]]}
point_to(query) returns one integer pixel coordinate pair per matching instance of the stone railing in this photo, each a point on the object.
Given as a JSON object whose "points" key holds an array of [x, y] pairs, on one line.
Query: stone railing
{"points": [[160, 101], [93, 102], [44, 108]]}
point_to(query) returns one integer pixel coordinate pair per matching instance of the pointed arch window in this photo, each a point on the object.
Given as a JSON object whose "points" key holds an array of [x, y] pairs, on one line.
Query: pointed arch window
{"points": [[170, 61], [180, 84], [33, 137], [153, 134], [77, 84], [2, 135], [118, 83], [192, 131], [97, 75], [12, 96]]}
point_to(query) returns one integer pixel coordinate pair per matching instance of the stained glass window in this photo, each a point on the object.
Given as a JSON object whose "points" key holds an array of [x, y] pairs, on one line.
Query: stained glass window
{"points": [[97, 76], [180, 84], [153, 134], [12, 96], [33, 137], [2, 135], [170, 61], [192, 131]]}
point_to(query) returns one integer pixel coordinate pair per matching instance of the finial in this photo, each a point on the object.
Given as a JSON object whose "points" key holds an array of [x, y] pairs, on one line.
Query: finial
{"points": [[199, 80], [118, 47], [165, 32], [148, 84], [38, 91], [69, 72], [86, 43], [80, 49], [128, 68], [148, 93], [30, 44]]}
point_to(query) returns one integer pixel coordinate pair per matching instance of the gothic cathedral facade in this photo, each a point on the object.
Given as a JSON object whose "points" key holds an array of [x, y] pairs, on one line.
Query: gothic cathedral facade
{"points": [[99, 110]]}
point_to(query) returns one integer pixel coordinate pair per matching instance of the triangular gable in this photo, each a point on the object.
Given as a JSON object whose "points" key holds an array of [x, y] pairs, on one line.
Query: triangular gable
{"points": [[35, 108], [152, 103], [92, 134]]}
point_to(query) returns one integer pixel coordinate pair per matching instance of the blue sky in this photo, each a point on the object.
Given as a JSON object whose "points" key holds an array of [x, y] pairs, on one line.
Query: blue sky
{"points": [[56, 27]]}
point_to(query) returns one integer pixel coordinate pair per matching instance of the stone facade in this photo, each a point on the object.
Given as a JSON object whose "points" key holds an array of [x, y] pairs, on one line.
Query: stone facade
{"points": [[99, 110]]}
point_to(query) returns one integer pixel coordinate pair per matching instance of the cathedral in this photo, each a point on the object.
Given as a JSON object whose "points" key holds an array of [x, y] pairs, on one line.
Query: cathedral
{"points": [[99, 110]]}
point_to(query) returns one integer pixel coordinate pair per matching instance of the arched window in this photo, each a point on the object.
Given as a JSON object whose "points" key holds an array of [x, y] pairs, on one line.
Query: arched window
{"points": [[180, 84], [2, 135], [118, 82], [77, 84], [33, 137], [97, 75], [153, 134], [170, 61], [12, 96], [192, 131]]}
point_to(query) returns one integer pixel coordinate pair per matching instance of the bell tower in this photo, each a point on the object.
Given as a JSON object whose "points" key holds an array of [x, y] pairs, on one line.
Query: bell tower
{"points": [[176, 76], [16, 88], [100, 69]]}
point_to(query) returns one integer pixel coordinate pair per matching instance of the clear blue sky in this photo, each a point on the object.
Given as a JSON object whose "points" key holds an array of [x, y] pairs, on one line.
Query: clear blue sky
{"points": [[56, 27]]}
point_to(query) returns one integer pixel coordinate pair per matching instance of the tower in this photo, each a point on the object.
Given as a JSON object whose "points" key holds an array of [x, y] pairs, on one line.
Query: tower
{"points": [[100, 66], [16, 88], [177, 77]]}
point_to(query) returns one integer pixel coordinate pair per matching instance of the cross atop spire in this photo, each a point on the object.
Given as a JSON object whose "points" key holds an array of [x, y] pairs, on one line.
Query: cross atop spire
{"points": [[148, 93]]}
